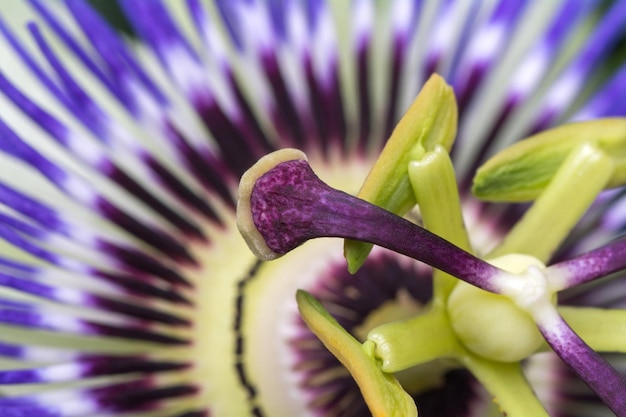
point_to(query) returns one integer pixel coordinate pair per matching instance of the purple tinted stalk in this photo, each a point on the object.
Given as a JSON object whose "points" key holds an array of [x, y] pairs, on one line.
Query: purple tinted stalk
{"points": [[92, 155], [152, 21], [228, 15], [404, 17], [82, 55], [607, 101], [291, 205], [111, 399], [484, 49], [45, 320], [362, 47], [606, 34], [589, 266], [88, 367], [115, 54], [81, 104], [601, 377], [85, 299], [322, 76]]}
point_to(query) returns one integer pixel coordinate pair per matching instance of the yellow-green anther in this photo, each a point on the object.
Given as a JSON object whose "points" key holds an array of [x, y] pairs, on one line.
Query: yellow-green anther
{"points": [[430, 121], [522, 171], [404, 344], [434, 186], [574, 186], [382, 391], [602, 329]]}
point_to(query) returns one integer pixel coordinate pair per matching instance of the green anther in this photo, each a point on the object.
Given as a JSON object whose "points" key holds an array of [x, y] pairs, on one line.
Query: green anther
{"points": [[522, 171], [582, 175], [602, 329], [430, 121], [382, 391], [404, 344], [435, 189]]}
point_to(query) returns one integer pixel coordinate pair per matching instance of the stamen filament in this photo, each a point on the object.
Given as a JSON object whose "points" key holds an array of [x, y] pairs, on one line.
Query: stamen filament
{"points": [[561, 205], [436, 192]]}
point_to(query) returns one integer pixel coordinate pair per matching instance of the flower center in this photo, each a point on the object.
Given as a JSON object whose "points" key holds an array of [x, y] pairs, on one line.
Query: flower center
{"points": [[492, 325]]}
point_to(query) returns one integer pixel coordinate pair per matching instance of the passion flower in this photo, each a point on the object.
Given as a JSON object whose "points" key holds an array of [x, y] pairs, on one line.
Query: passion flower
{"points": [[126, 288]]}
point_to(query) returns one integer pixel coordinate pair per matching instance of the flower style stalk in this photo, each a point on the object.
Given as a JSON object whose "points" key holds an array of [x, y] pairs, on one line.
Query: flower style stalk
{"points": [[127, 291], [310, 209]]}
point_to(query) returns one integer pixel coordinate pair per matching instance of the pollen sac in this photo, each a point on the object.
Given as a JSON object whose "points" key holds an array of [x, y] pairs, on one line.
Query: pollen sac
{"points": [[522, 171], [430, 121]]}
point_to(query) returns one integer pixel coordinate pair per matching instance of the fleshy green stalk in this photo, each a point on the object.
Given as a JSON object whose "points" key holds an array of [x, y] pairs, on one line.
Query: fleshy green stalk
{"points": [[434, 185]]}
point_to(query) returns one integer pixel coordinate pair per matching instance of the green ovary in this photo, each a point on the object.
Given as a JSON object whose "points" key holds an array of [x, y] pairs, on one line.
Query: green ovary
{"points": [[492, 325]]}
